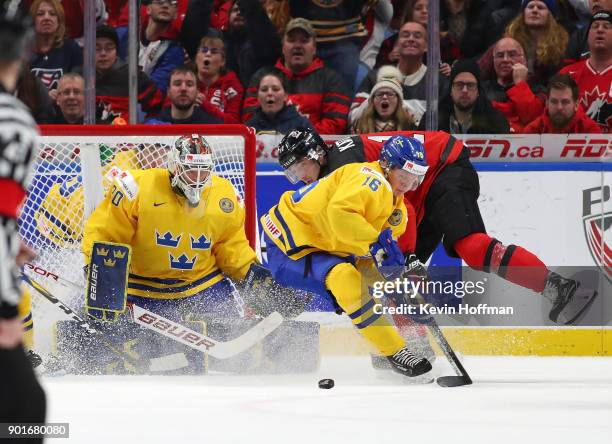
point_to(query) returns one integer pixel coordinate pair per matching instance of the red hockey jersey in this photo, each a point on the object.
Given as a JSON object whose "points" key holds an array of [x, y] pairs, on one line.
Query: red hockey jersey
{"points": [[595, 92]]}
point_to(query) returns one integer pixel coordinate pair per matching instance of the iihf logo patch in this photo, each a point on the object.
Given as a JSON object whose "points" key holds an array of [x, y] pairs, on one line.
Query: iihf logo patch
{"points": [[396, 218], [226, 205]]}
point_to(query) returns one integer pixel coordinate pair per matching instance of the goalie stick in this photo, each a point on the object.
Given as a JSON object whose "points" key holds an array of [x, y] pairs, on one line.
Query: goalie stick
{"points": [[186, 336], [164, 363]]}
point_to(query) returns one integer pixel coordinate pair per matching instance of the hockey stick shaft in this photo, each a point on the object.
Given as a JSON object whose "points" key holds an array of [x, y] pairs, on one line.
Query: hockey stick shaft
{"points": [[139, 364], [446, 348], [186, 336]]}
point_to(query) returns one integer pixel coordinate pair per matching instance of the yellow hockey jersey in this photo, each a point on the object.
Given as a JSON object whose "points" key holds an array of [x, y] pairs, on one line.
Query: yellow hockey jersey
{"points": [[342, 213], [177, 250]]}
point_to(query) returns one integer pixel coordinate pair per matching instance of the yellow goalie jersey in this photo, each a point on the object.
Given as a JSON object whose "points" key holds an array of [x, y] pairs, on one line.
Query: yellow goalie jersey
{"points": [[341, 214], [177, 250]]}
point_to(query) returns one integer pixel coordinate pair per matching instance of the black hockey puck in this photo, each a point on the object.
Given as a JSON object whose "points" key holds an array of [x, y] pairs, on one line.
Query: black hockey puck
{"points": [[326, 383]]}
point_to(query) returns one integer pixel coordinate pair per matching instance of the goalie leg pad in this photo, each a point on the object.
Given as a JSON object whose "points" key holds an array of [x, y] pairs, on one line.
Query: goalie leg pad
{"points": [[107, 279]]}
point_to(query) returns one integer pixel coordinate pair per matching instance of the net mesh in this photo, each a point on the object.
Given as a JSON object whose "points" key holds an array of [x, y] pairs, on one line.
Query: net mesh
{"points": [[71, 171]]}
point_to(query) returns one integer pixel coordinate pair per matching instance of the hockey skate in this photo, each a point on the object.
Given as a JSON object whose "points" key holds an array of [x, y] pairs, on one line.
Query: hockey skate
{"points": [[568, 299], [408, 364], [419, 345]]}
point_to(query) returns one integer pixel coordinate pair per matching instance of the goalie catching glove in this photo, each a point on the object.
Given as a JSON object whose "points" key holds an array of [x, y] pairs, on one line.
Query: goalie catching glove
{"points": [[264, 295], [107, 275], [387, 256]]}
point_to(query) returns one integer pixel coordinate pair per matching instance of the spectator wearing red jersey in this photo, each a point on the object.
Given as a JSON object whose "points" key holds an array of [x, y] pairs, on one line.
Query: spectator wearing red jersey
{"points": [[53, 55], [220, 90], [512, 92], [594, 75], [563, 114], [318, 92], [112, 80]]}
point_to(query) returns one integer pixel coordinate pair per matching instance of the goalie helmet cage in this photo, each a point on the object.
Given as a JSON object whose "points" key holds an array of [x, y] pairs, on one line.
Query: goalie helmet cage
{"points": [[71, 174]]}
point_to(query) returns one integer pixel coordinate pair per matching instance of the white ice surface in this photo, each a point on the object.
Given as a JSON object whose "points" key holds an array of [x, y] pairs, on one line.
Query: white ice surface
{"points": [[513, 400]]}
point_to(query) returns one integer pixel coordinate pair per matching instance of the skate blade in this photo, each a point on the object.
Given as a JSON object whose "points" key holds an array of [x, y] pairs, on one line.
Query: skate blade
{"points": [[453, 381]]}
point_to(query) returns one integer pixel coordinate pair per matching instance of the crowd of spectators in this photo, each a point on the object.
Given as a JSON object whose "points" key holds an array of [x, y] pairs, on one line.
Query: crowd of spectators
{"points": [[339, 66]]}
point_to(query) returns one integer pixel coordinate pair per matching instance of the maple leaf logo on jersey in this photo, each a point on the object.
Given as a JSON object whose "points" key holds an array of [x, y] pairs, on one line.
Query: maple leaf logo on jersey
{"points": [[597, 107], [105, 111]]}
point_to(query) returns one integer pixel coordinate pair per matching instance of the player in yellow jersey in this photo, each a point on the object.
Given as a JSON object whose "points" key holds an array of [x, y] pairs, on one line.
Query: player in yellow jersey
{"points": [[185, 227], [315, 235]]}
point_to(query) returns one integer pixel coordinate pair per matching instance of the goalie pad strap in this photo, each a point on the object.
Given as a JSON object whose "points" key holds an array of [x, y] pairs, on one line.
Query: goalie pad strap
{"points": [[107, 277]]}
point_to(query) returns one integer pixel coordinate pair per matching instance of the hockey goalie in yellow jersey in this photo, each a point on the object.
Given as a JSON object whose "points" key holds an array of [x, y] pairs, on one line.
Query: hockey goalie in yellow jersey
{"points": [[185, 228], [316, 236]]}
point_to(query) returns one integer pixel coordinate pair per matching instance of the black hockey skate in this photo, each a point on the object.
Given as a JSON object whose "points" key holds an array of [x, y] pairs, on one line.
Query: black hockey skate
{"points": [[568, 299], [420, 347], [408, 364]]}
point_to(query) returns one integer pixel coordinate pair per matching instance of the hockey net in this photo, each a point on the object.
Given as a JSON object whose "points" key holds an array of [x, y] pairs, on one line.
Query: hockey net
{"points": [[71, 176]]}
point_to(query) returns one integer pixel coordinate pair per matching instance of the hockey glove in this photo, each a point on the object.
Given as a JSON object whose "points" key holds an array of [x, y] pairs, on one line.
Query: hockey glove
{"points": [[387, 255]]}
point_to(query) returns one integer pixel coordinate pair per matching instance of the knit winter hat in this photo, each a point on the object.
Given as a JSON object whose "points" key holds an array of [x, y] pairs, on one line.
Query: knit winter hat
{"points": [[465, 65], [388, 77], [550, 4]]}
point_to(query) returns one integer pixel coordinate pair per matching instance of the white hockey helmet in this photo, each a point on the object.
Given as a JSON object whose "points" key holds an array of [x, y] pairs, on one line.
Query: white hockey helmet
{"points": [[190, 163]]}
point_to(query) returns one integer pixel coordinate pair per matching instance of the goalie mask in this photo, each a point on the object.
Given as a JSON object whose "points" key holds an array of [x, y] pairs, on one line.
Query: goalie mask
{"points": [[190, 164]]}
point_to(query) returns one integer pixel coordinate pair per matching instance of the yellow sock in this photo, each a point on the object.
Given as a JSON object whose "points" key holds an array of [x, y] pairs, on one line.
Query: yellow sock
{"points": [[344, 282]]}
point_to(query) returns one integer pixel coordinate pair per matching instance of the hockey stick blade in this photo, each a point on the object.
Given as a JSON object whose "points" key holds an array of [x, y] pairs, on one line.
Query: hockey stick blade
{"points": [[453, 381], [198, 341], [163, 363]]}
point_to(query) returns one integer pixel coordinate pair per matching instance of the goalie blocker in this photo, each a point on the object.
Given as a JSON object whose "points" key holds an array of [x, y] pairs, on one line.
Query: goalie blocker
{"points": [[107, 275]]}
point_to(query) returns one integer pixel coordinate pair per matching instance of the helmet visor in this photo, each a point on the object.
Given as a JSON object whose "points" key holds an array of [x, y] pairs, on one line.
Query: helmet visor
{"points": [[304, 170]]}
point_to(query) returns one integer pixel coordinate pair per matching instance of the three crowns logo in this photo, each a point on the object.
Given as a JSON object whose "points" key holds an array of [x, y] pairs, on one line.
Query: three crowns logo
{"points": [[167, 240], [110, 262], [201, 243], [182, 262]]}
